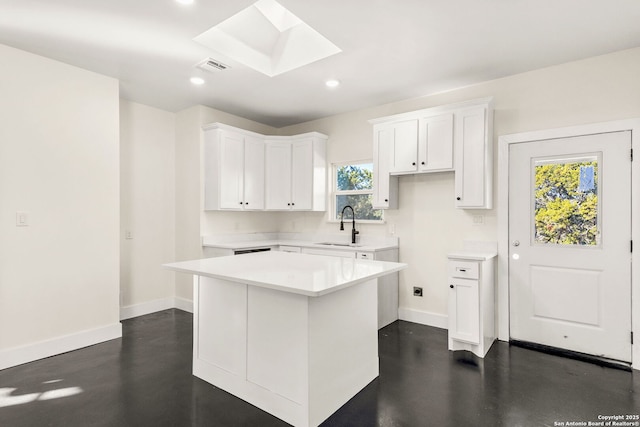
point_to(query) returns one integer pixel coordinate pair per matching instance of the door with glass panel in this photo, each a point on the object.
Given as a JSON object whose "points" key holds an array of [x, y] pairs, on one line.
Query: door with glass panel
{"points": [[570, 237]]}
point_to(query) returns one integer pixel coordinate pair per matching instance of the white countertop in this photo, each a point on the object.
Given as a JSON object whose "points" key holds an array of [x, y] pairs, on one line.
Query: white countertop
{"points": [[311, 275], [258, 240], [299, 243], [475, 255]]}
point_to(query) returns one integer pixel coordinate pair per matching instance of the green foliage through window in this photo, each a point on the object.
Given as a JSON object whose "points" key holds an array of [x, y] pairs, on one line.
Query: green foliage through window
{"points": [[566, 203], [354, 187]]}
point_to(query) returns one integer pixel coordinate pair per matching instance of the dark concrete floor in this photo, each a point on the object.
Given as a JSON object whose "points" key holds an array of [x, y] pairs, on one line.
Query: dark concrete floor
{"points": [[144, 379]]}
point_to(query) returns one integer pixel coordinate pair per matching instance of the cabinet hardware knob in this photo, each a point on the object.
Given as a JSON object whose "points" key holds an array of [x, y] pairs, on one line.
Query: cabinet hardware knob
{"points": [[288, 204], [386, 200], [451, 286], [422, 163], [414, 163], [293, 204], [240, 202], [457, 198]]}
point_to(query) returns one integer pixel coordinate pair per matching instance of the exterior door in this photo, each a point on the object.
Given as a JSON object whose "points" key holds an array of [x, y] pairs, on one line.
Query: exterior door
{"points": [[570, 238]]}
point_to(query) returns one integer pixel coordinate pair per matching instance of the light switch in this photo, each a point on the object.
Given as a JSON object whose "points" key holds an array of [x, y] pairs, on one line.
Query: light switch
{"points": [[22, 219], [128, 234]]}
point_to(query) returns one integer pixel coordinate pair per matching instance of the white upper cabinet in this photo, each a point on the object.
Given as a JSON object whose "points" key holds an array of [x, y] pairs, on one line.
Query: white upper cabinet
{"points": [[421, 145], [254, 173], [446, 138], [278, 174], [404, 141], [302, 174], [385, 187], [234, 170], [473, 182], [435, 143], [244, 170], [296, 173]]}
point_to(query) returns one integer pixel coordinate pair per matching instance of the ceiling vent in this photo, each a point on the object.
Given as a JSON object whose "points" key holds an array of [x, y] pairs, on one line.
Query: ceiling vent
{"points": [[210, 64]]}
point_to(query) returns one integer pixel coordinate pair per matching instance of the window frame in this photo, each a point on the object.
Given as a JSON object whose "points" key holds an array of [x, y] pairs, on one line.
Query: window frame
{"points": [[334, 193]]}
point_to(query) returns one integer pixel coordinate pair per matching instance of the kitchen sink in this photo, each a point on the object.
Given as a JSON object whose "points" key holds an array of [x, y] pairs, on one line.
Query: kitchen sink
{"points": [[338, 244]]}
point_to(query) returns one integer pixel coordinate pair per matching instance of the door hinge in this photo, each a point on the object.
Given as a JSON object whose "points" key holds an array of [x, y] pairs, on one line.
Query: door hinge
{"points": [[631, 337], [631, 245], [632, 154]]}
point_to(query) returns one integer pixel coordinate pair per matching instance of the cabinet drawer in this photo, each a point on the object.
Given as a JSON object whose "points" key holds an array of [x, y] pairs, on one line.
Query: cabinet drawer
{"points": [[463, 269]]}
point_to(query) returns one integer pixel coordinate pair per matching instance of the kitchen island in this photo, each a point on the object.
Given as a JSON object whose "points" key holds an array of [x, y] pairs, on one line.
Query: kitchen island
{"points": [[293, 334]]}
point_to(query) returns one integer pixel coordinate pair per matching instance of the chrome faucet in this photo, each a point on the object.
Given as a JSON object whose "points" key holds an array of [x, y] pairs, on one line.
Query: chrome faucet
{"points": [[353, 228]]}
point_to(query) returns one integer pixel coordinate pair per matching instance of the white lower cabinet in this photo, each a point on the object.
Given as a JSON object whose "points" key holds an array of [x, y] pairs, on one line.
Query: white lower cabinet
{"points": [[471, 304], [329, 252], [287, 248], [387, 285]]}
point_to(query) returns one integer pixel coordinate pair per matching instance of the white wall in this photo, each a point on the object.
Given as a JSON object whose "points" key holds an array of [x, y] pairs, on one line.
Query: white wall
{"points": [[147, 172], [428, 226], [59, 155]]}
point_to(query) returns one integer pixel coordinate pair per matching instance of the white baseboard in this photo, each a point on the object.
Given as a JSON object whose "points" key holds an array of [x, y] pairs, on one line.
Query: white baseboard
{"points": [[129, 311], [51, 347], [183, 304], [424, 317]]}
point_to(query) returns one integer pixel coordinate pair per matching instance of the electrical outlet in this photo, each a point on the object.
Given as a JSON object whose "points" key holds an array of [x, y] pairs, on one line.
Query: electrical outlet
{"points": [[417, 291], [22, 219]]}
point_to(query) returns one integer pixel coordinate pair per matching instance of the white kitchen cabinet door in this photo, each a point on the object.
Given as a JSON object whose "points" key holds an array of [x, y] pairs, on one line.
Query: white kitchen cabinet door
{"points": [[302, 175], [231, 166], [464, 310], [435, 144], [472, 159], [405, 147], [254, 170], [278, 175], [471, 303], [385, 187]]}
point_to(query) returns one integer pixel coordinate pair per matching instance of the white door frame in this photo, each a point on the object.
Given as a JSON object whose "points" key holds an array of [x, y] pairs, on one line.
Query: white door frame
{"points": [[504, 142]]}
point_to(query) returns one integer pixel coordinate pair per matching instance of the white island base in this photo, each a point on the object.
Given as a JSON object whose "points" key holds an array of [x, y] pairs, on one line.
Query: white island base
{"points": [[295, 356]]}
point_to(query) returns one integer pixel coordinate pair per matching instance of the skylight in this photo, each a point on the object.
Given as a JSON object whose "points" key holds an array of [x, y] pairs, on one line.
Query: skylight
{"points": [[268, 38]]}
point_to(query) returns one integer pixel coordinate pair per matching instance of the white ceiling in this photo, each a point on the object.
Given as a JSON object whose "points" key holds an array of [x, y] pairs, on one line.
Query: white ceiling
{"points": [[391, 49]]}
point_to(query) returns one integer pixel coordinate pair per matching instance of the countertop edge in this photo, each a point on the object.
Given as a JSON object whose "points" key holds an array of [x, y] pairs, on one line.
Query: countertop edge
{"points": [[472, 255], [302, 244], [266, 285]]}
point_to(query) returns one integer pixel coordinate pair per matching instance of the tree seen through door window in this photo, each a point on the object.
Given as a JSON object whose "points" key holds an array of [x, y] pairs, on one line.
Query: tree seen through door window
{"points": [[566, 202]]}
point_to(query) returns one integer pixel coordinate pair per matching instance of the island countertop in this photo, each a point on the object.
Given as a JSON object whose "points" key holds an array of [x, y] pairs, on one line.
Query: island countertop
{"points": [[310, 275]]}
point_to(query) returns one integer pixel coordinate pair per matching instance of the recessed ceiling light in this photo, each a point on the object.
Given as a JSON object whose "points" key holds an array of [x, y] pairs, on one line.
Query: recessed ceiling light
{"points": [[332, 83], [185, 1], [197, 80]]}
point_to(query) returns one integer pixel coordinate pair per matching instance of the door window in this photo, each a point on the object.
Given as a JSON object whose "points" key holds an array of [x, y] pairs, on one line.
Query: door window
{"points": [[566, 210]]}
